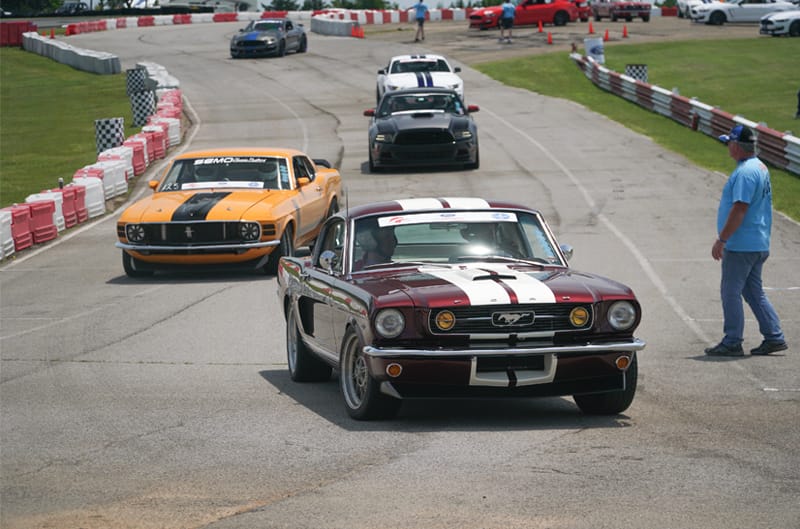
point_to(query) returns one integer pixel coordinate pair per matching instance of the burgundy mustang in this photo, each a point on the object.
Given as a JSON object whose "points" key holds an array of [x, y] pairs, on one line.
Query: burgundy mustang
{"points": [[455, 297]]}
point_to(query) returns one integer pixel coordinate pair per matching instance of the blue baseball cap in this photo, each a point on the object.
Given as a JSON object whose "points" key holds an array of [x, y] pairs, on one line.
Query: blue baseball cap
{"points": [[738, 133]]}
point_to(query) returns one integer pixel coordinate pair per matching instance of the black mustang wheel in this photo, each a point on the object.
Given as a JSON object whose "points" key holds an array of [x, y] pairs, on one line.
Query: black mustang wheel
{"points": [[303, 45], [282, 48], [361, 392], [303, 365], [613, 402], [285, 248], [130, 265]]}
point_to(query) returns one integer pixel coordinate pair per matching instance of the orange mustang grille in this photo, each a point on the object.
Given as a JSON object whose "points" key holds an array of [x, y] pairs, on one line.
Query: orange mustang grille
{"points": [[189, 233]]}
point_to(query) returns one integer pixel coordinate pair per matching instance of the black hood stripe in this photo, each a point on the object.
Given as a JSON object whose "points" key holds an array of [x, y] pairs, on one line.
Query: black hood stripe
{"points": [[198, 206]]}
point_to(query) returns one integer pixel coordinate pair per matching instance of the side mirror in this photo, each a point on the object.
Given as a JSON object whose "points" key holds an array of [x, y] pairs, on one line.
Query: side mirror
{"points": [[327, 260], [567, 250], [382, 71], [369, 112], [153, 184], [303, 180], [473, 108], [457, 69]]}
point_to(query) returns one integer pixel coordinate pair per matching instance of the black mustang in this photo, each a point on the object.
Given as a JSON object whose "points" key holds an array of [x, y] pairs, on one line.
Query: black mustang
{"points": [[269, 37], [422, 127]]}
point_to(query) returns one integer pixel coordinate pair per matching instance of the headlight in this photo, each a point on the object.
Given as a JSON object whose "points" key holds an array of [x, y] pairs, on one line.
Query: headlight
{"points": [[135, 232], [455, 86], [463, 135], [579, 317], [489, 14], [621, 315], [390, 323], [392, 87], [384, 137], [269, 40], [249, 231]]}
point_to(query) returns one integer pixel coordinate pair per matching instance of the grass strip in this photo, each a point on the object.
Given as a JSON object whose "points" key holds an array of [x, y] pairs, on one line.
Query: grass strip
{"points": [[47, 115]]}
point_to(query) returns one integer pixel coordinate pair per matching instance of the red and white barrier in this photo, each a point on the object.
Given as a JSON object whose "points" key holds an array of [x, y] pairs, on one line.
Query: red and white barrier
{"points": [[123, 153], [94, 199], [58, 210], [41, 220]]}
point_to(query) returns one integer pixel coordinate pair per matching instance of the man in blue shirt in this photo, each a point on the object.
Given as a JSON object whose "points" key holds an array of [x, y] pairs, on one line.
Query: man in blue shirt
{"points": [[744, 223], [507, 20], [420, 9]]}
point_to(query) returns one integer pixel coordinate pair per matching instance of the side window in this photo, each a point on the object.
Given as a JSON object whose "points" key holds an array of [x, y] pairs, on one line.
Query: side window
{"points": [[303, 168], [333, 240], [283, 174], [288, 25]]}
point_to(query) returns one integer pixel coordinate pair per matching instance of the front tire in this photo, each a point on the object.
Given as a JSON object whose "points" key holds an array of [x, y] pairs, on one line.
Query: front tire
{"points": [[303, 365], [303, 45], [361, 392], [614, 402], [133, 267], [284, 249], [794, 29], [717, 18], [477, 163]]}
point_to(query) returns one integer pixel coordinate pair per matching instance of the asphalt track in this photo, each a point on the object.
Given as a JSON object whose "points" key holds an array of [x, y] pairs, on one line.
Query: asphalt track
{"points": [[166, 402]]}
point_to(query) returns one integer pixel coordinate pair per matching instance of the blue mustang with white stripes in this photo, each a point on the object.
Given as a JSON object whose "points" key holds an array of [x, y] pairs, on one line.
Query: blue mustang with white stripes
{"points": [[276, 36], [418, 71]]}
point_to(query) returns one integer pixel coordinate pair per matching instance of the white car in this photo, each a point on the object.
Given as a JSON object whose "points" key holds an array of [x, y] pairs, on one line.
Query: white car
{"points": [[717, 13], [685, 7], [418, 71], [781, 23]]}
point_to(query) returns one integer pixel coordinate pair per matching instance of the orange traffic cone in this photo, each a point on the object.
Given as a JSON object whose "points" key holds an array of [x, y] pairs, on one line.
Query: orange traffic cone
{"points": [[591, 28], [624, 32], [605, 37], [540, 27], [52, 33], [549, 38]]}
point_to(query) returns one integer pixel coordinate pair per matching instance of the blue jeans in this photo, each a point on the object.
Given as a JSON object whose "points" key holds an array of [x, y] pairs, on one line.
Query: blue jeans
{"points": [[741, 278]]}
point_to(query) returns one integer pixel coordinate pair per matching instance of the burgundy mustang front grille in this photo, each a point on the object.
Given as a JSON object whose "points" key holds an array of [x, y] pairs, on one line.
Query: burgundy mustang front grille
{"points": [[511, 319]]}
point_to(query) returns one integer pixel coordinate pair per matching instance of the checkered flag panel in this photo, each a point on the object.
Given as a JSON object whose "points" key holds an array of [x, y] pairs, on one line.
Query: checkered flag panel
{"points": [[637, 71], [143, 105], [109, 133], [135, 80]]}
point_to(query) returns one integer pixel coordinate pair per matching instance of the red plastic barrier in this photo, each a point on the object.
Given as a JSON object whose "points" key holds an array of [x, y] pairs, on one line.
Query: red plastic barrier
{"points": [[185, 18], [122, 23], [274, 14], [158, 138], [225, 17], [42, 225], [71, 29], [146, 21], [447, 14], [21, 226], [68, 205], [403, 16], [139, 162], [148, 144], [81, 211], [11, 32]]}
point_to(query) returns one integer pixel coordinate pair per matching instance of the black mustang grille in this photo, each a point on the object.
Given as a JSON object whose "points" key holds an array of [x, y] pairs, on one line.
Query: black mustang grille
{"points": [[424, 137], [511, 319], [251, 44], [190, 233]]}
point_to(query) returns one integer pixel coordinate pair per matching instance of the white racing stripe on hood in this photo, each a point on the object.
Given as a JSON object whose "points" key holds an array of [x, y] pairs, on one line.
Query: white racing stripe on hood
{"points": [[466, 203], [413, 204], [527, 288]]}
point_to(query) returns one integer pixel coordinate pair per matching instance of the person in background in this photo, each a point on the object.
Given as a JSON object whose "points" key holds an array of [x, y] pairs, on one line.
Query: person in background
{"points": [[507, 21], [744, 223], [377, 243], [420, 10]]}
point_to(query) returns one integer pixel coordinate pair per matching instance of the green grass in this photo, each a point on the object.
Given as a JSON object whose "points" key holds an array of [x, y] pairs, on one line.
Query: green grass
{"points": [[47, 114], [755, 78]]}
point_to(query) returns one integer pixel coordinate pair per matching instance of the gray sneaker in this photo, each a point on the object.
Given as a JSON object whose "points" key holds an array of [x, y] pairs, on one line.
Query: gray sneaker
{"points": [[769, 347], [725, 350]]}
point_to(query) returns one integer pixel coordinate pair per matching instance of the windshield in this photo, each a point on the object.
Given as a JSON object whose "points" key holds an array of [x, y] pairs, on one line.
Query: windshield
{"points": [[427, 65], [252, 172], [267, 26], [409, 103], [452, 237]]}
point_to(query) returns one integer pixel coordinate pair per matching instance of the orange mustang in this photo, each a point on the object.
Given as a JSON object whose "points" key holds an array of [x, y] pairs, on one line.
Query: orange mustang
{"points": [[238, 207]]}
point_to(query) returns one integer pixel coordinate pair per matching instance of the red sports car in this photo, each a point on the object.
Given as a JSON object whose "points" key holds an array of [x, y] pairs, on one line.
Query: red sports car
{"points": [[455, 297], [528, 12]]}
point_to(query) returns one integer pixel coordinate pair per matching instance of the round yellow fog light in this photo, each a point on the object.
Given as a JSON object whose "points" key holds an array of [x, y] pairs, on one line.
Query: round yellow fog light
{"points": [[579, 316], [623, 362], [445, 320], [394, 370]]}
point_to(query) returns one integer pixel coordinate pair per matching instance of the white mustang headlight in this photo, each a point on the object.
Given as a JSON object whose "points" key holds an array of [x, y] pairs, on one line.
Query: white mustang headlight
{"points": [[390, 323]]}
